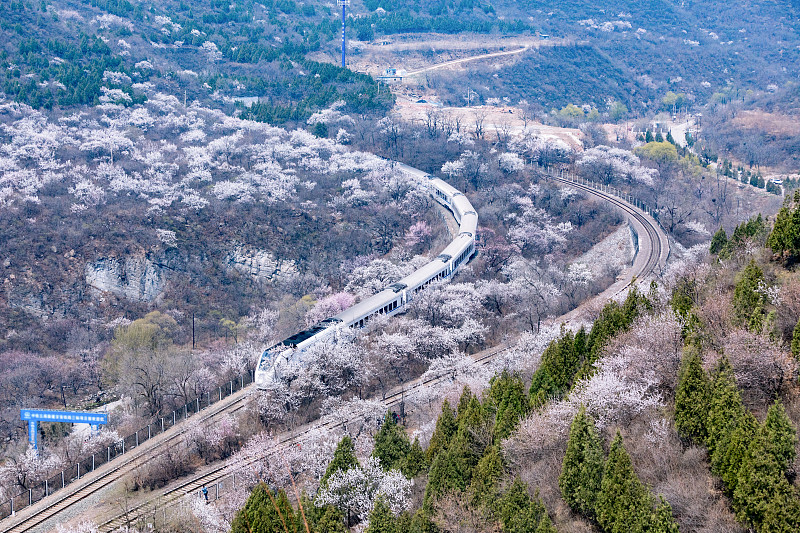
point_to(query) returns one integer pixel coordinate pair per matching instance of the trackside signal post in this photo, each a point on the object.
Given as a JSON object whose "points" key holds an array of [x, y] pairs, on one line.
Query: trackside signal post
{"points": [[34, 416], [343, 4]]}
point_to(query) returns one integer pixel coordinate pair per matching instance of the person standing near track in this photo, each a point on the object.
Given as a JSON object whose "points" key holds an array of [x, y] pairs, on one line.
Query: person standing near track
{"points": [[205, 493]]}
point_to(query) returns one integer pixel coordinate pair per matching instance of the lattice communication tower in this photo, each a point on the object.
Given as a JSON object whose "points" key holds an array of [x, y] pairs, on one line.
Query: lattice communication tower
{"points": [[343, 4]]}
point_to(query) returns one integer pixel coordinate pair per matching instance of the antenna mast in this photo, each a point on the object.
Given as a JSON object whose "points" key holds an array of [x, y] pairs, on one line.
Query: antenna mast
{"points": [[343, 4]]}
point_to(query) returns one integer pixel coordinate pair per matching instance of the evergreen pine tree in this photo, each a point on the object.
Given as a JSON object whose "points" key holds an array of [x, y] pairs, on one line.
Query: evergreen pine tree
{"points": [[507, 392], [761, 480], [414, 461], [559, 364], [421, 523], [731, 448], [780, 238], [344, 458], [546, 525], [662, 520], [328, 518], [543, 387], [796, 340], [446, 426], [781, 435], [260, 515], [747, 296], [719, 242], [582, 468], [581, 343], [692, 397], [381, 518], [392, 445], [725, 405], [623, 505], [782, 514], [463, 403], [486, 477], [518, 512], [451, 470]]}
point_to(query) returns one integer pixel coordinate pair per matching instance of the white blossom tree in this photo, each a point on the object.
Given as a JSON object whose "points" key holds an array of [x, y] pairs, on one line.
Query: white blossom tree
{"points": [[356, 490]]}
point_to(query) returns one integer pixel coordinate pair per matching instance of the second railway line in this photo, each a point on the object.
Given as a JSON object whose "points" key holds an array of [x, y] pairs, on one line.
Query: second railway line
{"points": [[651, 256]]}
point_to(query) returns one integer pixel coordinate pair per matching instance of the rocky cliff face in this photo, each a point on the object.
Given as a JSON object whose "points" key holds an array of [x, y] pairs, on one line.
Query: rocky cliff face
{"points": [[142, 278], [134, 278], [260, 265]]}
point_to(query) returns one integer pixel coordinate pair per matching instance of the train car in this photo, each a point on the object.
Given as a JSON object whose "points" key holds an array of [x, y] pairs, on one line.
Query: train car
{"points": [[395, 297]]}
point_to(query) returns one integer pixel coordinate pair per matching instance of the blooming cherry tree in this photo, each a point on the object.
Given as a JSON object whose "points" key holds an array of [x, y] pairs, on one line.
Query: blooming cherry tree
{"points": [[356, 490]]}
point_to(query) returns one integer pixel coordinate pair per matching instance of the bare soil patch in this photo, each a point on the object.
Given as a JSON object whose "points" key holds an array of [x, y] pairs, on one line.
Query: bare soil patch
{"points": [[772, 123]]}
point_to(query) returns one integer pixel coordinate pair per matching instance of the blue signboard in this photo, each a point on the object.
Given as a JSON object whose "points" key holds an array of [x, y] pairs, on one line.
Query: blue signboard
{"points": [[34, 416]]}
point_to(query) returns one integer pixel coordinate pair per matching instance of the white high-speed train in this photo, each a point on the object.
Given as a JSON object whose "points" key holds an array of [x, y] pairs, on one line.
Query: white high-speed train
{"points": [[393, 298]]}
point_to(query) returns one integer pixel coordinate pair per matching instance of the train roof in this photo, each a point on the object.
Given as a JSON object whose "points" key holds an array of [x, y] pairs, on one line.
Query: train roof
{"points": [[458, 245], [367, 306], [297, 338]]}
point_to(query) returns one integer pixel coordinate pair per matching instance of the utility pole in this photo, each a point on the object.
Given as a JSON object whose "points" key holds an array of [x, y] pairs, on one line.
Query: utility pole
{"points": [[343, 4]]}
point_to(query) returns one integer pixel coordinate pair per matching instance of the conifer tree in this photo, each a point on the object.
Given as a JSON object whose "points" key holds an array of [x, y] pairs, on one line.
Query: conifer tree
{"points": [[463, 403], [511, 504], [796, 340], [782, 514], [781, 435], [264, 513], [784, 239], [746, 295], [558, 367], [761, 480], [421, 523], [414, 461], [328, 518], [381, 518], [507, 392], [446, 426], [543, 387], [519, 513], [663, 521], [725, 405], [546, 525], [719, 242], [344, 458], [452, 469], [623, 505], [582, 468], [486, 477], [731, 448], [392, 445], [692, 397]]}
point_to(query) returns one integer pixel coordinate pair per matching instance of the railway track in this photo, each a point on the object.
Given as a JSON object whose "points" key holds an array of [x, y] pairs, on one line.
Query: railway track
{"points": [[216, 474], [644, 225], [76, 492], [650, 236]]}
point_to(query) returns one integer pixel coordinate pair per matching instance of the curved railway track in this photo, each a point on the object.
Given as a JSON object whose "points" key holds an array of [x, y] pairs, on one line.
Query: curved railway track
{"points": [[649, 234], [651, 238]]}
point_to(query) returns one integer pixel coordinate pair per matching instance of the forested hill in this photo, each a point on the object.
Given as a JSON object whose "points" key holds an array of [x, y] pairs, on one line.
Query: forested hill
{"points": [[698, 47], [61, 53], [55, 52]]}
